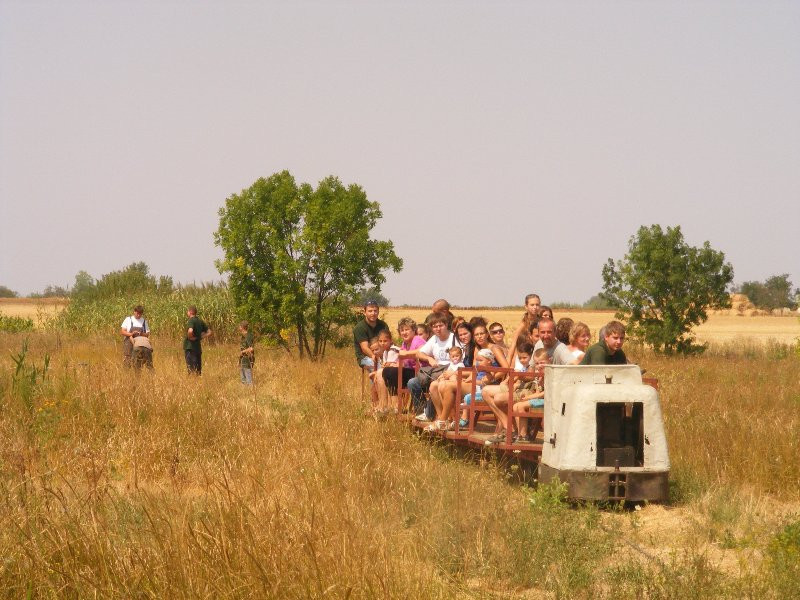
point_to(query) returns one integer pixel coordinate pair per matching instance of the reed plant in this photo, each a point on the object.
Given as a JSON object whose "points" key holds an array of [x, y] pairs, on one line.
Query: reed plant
{"points": [[165, 311], [160, 484]]}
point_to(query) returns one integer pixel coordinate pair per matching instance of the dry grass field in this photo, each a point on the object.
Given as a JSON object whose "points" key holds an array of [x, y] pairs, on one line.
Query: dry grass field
{"points": [[167, 486], [39, 310]]}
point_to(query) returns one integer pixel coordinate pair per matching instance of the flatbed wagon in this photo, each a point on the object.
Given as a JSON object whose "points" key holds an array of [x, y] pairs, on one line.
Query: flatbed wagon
{"points": [[600, 431]]}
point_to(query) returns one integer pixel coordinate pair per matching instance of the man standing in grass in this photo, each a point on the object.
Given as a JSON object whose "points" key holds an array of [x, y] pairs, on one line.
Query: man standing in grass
{"points": [[608, 351], [196, 331], [132, 327], [246, 353]]}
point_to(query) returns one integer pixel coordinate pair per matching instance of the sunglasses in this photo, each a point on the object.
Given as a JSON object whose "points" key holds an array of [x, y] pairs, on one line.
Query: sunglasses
{"points": [[496, 331]]}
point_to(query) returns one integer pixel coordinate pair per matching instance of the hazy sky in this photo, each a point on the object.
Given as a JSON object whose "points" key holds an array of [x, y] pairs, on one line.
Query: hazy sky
{"points": [[513, 146]]}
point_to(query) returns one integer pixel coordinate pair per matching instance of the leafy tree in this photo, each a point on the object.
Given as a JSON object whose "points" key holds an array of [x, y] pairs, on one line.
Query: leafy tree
{"points": [[134, 280], [298, 256], [372, 294], [775, 292], [7, 292], [51, 291], [598, 302], [84, 285], [663, 287]]}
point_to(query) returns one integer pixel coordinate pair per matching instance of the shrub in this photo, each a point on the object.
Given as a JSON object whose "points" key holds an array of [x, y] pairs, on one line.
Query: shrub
{"points": [[15, 324]]}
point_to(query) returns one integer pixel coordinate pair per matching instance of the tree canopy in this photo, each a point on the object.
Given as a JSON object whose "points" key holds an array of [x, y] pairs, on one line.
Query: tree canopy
{"points": [[663, 287], [6, 292], [775, 292], [133, 280], [298, 256]]}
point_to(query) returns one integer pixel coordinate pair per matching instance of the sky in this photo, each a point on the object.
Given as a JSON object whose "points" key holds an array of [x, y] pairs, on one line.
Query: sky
{"points": [[513, 146]]}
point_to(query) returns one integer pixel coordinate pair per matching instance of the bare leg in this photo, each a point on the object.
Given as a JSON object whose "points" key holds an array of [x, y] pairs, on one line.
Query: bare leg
{"points": [[448, 397], [383, 393], [489, 393], [497, 402], [436, 398], [522, 422]]}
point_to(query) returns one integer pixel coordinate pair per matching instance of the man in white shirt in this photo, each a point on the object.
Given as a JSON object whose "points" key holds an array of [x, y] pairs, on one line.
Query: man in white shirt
{"points": [[133, 326], [557, 351], [434, 353]]}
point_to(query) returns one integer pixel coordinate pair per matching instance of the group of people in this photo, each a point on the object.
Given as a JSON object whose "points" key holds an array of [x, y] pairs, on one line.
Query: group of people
{"points": [[137, 348], [430, 354]]}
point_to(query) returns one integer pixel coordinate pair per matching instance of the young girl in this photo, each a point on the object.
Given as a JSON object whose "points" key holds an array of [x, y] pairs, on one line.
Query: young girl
{"points": [[579, 338], [532, 314], [389, 354], [409, 345], [423, 331], [486, 354], [532, 396]]}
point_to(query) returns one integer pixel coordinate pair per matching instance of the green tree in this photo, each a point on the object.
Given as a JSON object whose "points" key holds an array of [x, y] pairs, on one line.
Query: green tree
{"points": [[297, 257], [371, 294], [598, 302], [7, 292], [775, 292], [84, 285], [663, 287], [51, 291]]}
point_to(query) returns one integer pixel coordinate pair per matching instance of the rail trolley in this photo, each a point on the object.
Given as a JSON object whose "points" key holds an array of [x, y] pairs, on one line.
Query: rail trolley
{"points": [[600, 431]]}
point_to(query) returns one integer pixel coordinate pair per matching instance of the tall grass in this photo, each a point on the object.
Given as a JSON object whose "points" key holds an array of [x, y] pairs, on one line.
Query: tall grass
{"points": [[164, 485], [166, 312]]}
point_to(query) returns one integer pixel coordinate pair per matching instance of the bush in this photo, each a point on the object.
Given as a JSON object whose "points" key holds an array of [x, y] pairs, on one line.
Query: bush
{"points": [[15, 324], [784, 561]]}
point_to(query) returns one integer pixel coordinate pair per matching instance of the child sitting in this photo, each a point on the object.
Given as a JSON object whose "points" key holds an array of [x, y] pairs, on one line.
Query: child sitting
{"points": [[496, 396], [531, 395], [456, 355], [388, 355]]}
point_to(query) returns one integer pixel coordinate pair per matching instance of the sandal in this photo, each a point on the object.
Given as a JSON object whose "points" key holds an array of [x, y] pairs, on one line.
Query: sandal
{"points": [[463, 422], [497, 438]]}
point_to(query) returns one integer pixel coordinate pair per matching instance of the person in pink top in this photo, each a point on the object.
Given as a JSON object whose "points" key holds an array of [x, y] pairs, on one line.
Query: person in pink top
{"points": [[409, 345]]}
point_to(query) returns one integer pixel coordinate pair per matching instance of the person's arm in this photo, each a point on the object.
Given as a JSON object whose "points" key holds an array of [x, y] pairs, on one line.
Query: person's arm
{"points": [[146, 329], [513, 346], [422, 357], [125, 331], [366, 350]]}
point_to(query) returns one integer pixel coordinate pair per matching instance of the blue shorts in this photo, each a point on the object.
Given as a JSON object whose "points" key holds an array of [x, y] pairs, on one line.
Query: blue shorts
{"points": [[536, 402], [478, 397]]}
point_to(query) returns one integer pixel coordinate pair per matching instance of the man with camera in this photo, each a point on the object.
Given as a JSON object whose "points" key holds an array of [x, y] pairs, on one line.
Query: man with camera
{"points": [[132, 327]]}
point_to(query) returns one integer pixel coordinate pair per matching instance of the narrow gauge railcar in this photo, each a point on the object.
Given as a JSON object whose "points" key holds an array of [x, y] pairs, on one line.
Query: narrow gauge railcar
{"points": [[600, 431]]}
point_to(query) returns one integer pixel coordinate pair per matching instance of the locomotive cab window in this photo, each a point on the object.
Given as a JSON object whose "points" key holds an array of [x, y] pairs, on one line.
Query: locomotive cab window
{"points": [[620, 434]]}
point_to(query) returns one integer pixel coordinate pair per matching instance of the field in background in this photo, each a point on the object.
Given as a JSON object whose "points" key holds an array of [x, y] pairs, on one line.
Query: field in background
{"points": [[168, 486], [718, 329], [38, 309]]}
